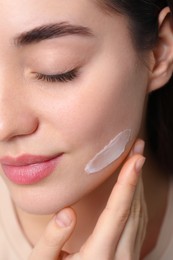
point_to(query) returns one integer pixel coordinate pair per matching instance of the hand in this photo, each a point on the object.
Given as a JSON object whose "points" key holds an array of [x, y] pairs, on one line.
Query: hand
{"points": [[120, 229]]}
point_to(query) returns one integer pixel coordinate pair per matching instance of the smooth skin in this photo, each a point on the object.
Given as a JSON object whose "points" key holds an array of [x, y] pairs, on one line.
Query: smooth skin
{"points": [[120, 230]]}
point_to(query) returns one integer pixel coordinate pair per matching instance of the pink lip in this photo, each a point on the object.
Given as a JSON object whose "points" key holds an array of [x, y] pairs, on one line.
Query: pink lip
{"points": [[28, 169]]}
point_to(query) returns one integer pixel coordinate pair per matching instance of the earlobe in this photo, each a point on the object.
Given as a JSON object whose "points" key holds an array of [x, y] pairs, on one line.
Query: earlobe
{"points": [[162, 69]]}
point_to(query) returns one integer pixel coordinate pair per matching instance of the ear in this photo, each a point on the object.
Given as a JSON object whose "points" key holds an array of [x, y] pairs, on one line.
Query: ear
{"points": [[162, 67]]}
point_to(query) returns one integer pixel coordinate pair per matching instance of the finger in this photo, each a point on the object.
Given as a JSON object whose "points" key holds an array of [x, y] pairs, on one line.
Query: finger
{"points": [[56, 234], [138, 148], [111, 223], [129, 235], [135, 229], [143, 227], [131, 231]]}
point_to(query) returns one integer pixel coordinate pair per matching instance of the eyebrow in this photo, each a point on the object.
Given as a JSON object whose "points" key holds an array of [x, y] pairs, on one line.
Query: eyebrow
{"points": [[50, 31]]}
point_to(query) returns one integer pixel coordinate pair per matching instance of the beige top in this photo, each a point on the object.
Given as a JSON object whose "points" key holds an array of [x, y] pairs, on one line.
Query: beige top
{"points": [[14, 245]]}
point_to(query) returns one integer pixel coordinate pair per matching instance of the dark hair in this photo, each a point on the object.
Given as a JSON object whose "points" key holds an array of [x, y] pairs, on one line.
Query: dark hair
{"points": [[143, 17]]}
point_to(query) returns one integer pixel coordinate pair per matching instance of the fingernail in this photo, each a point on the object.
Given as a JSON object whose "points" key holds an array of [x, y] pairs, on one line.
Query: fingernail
{"points": [[139, 164], [139, 147], [63, 219]]}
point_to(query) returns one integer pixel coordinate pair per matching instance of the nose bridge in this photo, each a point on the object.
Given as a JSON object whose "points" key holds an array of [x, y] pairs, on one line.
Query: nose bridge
{"points": [[16, 115]]}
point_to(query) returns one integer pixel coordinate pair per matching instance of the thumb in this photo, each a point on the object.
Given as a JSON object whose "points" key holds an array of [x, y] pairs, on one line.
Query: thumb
{"points": [[56, 234]]}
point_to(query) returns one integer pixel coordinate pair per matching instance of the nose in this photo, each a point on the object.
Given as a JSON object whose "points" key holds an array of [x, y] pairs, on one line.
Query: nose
{"points": [[16, 116]]}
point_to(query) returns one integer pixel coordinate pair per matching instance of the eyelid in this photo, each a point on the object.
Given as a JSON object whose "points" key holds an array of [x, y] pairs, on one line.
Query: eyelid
{"points": [[65, 71], [58, 77]]}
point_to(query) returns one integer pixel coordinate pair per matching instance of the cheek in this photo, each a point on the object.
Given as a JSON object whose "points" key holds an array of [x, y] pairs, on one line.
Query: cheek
{"points": [[100, 111]]}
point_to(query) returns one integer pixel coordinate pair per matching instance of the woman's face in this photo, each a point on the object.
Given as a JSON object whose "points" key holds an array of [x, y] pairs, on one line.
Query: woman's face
{"points": [[102, 96]]}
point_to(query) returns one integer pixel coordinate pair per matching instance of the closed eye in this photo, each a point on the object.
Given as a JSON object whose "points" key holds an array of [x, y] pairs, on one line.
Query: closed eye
{"points": [[62, 77]]}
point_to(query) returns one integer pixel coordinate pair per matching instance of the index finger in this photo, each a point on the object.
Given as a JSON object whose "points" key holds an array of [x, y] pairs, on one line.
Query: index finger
{"points": [[111, 222]]}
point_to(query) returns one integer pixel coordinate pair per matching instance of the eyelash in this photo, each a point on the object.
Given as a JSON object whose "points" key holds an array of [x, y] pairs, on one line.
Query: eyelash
{"points": [[63, 77]]}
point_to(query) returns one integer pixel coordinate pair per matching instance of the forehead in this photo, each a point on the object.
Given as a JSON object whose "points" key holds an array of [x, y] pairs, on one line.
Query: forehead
{"points": [[30, 11], [20, 16]]}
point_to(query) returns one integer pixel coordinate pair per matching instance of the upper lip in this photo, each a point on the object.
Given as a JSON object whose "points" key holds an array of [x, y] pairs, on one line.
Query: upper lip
{"points": [[26, 159]]}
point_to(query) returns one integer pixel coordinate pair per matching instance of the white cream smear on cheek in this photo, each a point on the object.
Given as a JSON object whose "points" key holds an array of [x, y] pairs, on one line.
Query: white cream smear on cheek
{"points": [[109, 153]]}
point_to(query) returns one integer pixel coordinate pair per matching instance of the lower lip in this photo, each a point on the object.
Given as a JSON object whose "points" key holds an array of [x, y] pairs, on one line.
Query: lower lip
{"points": [[30, 174]]}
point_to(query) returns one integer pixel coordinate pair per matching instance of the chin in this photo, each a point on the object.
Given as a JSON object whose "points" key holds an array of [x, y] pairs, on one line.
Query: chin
{"points": [[40, 208], [42, 204]]}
